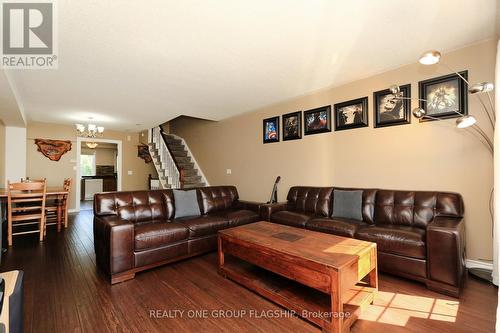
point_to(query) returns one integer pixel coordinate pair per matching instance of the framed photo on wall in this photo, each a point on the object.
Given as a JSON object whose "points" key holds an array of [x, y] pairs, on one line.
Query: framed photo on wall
{"points": [[444, 96], [351, 114], [390, 112], [292, 126], [318, 120], [271, 129]]}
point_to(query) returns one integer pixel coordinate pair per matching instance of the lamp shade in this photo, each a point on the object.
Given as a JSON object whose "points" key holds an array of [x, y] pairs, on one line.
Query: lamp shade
{"points": [[430, 57], [91, 145], [481, 88], [80, 127], [465, 121], [418, 113], [394, 89]]}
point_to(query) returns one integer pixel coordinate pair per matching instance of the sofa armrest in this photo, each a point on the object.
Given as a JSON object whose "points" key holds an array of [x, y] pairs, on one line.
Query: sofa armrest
{"points": [[249, 205], [266, 210], [114, 243], [446, 250]]}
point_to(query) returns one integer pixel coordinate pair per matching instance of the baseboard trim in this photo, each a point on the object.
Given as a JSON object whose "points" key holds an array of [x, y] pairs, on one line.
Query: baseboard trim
{"points": [[73, 210], [470, 263]]}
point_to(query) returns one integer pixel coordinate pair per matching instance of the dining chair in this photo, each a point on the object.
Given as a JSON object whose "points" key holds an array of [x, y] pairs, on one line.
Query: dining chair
{"points": [[57, 209], [26, 207]]}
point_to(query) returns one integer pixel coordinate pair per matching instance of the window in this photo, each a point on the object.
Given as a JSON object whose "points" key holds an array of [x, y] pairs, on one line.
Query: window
{"points": [[87, 165]]}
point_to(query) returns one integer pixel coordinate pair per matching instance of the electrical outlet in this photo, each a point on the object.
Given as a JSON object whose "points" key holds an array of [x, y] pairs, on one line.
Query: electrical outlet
{"points": [[228, 171], [130, 172]]}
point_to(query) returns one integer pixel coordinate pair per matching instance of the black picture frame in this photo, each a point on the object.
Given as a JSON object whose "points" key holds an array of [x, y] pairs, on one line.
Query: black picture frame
{"points": [[399, 114], [341, 122], [267, 135], [292, 126], [318, 120], [431, 97]]}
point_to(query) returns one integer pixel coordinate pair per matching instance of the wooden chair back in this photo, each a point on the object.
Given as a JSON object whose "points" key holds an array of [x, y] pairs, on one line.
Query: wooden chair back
{"points": [[26, 203], [67, 185], [57, 209]]}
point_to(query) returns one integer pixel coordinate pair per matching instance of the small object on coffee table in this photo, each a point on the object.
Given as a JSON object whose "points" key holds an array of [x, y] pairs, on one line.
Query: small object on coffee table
{"points": [[323, 278]]}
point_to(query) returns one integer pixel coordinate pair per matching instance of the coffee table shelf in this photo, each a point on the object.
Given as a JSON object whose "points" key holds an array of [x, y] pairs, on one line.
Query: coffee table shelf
{"points": [[306, 302]]}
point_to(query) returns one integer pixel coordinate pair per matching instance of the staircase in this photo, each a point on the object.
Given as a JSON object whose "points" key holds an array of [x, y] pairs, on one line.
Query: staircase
{"points": [[173, 160]]}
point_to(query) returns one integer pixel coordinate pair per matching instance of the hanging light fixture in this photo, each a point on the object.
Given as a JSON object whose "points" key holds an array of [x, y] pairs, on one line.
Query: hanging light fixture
{"points": [[91, 145], [89, 131]]}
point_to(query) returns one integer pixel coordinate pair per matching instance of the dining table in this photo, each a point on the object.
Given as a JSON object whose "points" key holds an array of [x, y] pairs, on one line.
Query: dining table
{"points": [[51, 193]]}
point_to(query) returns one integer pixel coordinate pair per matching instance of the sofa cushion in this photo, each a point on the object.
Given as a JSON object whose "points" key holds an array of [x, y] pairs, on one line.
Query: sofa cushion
{"points": [[204, 225], [311, 200], [157, 234], [217, 198], [293, 219], [186, 203], [347, 204], [240, 216], [336, 226], [395, 239]]}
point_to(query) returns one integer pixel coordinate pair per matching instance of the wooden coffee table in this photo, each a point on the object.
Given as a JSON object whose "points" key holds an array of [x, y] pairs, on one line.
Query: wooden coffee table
{"points": [[323, 278]]}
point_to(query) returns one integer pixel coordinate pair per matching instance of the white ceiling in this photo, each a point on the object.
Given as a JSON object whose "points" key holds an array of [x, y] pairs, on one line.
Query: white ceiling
{"points": [[145, 62]]}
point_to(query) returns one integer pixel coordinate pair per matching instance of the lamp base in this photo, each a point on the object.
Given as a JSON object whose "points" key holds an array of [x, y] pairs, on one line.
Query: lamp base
{"points": [[482, 274]]}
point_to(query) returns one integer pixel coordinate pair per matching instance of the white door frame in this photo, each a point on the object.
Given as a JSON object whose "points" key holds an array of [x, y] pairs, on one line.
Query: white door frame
{"points": [[79, 141]]}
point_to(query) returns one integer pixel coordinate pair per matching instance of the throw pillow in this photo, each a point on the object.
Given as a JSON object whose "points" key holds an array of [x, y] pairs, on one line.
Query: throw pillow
{"points": [[347, 204], [186, 203]]}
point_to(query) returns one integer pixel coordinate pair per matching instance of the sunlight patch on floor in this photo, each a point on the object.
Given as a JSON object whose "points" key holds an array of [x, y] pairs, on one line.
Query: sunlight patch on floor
{"points": [[397, 309]]}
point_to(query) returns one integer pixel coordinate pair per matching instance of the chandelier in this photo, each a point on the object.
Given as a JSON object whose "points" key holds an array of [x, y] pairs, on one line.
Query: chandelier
{"points": [[89, 131]]}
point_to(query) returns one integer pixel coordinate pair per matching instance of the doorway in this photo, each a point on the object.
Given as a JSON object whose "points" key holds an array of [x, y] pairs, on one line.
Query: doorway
{"points": [[98, 169]]}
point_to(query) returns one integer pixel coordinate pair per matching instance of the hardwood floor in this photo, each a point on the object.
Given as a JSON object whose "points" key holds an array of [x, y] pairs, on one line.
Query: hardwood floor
{"points": [[64, 292]]}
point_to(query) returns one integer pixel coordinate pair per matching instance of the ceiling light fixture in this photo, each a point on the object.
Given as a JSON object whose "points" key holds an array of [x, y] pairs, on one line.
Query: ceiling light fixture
{"points": [[89, 131], [91, 145]]}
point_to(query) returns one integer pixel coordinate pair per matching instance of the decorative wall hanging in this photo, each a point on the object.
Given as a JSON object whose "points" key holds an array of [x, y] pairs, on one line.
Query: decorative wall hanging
{"points": [[318, 120], [143, 152], [351, 114], [292, 126], [390, 111], [444, 96], [53, 149], [271, 129]]}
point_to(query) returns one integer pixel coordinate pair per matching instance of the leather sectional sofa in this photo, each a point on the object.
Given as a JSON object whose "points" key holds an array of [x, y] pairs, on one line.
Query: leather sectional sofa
{"points": [[134, 231], [419, 235]]}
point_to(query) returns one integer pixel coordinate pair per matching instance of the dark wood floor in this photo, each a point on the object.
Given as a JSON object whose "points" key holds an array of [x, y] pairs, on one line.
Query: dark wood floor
{"points": [[64, 292]]}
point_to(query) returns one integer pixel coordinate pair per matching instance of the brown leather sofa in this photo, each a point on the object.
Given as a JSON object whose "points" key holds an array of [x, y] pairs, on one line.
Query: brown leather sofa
{"points": [[419, 235], [134, 231]]}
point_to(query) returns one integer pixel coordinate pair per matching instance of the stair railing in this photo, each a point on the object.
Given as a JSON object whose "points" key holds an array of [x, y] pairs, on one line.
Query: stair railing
{"points": [[174, 174]]}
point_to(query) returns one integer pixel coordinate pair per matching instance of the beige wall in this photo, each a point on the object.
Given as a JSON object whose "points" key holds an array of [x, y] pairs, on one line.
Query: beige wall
{"points": [[55, 172], [2, 154], [103, 156], [419, 156]]}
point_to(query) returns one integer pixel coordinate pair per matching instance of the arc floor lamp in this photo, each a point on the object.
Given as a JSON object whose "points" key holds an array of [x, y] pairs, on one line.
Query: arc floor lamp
{"points": [[464, 121]]}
